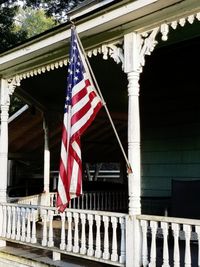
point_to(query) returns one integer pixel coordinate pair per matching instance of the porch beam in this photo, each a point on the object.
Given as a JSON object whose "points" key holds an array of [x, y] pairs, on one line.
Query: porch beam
{"points": [[26, 155], [27, 98]]}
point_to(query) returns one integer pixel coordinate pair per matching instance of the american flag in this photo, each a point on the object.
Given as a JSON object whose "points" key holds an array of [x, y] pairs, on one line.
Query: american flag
{"points": [[81, 106]]}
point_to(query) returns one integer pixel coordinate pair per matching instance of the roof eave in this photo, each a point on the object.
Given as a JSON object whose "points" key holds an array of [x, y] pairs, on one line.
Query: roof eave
{"points": [[54, 44]]}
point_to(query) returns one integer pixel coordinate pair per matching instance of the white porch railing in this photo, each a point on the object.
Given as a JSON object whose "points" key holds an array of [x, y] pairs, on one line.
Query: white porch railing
{"points": [[92, 235], [170, 241], [106, 201]]}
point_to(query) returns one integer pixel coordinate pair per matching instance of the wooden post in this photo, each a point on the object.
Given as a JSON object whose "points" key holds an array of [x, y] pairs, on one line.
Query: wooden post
{"points": [[4, 102], [132, 68], [136, 47], [46, 157]]}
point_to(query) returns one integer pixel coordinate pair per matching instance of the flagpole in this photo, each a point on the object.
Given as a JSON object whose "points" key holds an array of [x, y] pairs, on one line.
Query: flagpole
{"points": [[129, 169]]}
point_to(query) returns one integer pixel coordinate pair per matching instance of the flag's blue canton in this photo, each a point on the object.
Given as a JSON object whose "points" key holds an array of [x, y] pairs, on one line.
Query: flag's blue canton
{"points": [[75, 70]]}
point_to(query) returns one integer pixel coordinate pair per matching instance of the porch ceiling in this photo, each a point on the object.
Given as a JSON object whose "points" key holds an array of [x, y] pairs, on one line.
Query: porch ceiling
{"points": [[45, 94]]}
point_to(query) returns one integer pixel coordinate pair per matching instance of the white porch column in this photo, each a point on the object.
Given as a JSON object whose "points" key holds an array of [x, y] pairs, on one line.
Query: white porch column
{"points": [[135, 49], [4, 102], [132, 68], [6, 89], [46, 157]]}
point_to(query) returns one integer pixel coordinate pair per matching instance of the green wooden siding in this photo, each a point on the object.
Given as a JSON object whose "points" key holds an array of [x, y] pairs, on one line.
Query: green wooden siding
{"points": [[169, 153]]}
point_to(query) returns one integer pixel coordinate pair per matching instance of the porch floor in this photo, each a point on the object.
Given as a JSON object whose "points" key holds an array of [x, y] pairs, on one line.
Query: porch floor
{"points": [[16, 254]]}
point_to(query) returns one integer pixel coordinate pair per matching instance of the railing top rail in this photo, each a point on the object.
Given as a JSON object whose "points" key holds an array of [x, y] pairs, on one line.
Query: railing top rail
{"points": [[20, 205], [25, 197], [168, 219], [93, 212], [98, 212]]}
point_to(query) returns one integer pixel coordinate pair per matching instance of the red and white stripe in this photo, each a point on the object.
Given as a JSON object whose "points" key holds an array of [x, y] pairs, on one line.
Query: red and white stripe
{"points": [[85, 105]]}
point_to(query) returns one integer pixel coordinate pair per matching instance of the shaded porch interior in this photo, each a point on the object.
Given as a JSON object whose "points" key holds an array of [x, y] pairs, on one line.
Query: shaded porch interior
{"points": [[170, 125]]}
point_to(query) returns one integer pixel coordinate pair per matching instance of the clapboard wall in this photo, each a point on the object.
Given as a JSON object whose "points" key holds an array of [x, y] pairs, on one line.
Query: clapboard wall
{"points": [[169, 153]]}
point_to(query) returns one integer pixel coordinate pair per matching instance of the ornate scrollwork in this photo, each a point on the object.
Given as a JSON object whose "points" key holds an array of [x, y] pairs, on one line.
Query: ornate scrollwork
{"points": [[113, 50], [148, 41], [8, 88], [147, 45], [12, 84]]}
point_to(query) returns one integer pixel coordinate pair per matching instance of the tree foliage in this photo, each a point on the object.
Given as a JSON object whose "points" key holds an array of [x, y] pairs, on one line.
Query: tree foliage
{"points": [[33, 21], [7, 35], [58, 8]]}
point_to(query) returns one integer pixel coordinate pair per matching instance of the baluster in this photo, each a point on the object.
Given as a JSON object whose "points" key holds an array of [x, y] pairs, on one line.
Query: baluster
{"points": [[86, 201], [23, 236], [153, 226], [69, 233], [90, 251], [33, 237], [13, 223], [54, 198], [123, 244], [4, 221], [1, 220], [62, 243], [70, 204], [51, 200], [164, 226], [197, 229], [106, 254], [114, 255], [94, 201], [117, 201], [120, 200], [123, 200], [176, 254], [78, 200], [144, 225], [98, 201], [98, 251], [102, 200], [90, 195], [187, 230], [74, 203], [76, 238], [113, 201], [50, 219], [28, 232], [83, 239], [44, 233], [82, 201], [8, 234], [18, 223], [109, 201], [106, 200]]}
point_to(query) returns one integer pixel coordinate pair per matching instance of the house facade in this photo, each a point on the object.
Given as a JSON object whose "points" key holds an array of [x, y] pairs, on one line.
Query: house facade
{"points": [[143, 55]]}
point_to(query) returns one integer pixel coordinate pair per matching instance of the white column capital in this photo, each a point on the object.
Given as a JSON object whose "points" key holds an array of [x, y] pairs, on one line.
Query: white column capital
{"points": [[136, 47], [7, 88]]}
